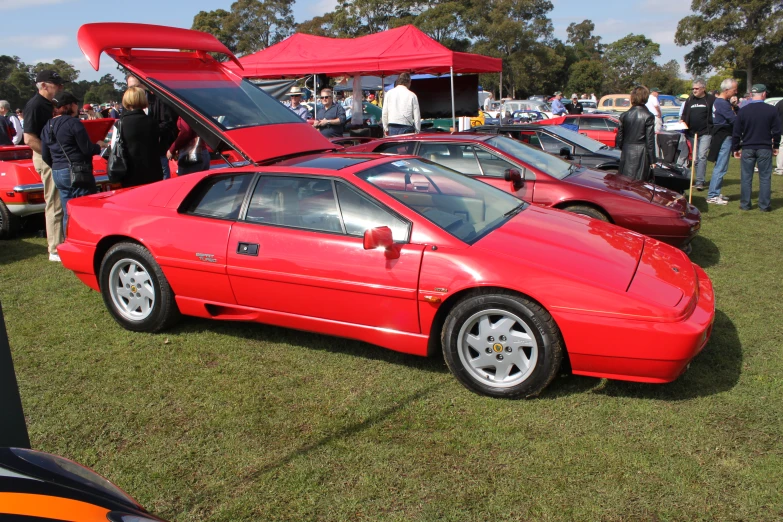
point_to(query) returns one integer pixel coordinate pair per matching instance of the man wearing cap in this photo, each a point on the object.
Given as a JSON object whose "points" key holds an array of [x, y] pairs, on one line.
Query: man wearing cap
{"points": [[575, 107], [655, 108], [37, 113], [558, 109], [295, 104], [756, 138]]}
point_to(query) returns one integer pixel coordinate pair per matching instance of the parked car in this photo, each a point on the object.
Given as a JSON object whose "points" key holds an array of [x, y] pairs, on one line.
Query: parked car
{"points": [[588, 106], [21, 188], [39, 486], [615, 103], [512, 106], [549, 181], [669, 101], [773, 101], [393, 250], [558, 140], [599, 127]]}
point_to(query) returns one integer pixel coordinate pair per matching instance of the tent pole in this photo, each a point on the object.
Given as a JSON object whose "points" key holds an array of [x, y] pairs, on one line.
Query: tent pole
{"points": [[453, 111], [315, 100]]}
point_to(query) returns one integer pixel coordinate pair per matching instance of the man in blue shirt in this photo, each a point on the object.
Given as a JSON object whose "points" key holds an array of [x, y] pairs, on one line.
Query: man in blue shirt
{"points": [[558, 109], [723, 117], [331, 122], [756, 138]]}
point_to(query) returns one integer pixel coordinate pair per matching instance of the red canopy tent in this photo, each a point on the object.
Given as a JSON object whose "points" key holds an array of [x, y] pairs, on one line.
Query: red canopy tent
{"points": [[403, 49], [394, 51]]}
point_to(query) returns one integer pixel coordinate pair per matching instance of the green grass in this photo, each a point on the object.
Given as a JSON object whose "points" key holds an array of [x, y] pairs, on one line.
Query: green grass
{"points": [[222, 421]]}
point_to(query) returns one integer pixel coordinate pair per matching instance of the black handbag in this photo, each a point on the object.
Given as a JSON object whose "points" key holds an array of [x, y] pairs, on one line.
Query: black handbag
{"points": [[81, 173], [118, 158]]}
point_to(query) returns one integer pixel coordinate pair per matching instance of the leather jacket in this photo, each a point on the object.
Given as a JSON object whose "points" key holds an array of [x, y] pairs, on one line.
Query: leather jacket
{"points": [[636, 139]]}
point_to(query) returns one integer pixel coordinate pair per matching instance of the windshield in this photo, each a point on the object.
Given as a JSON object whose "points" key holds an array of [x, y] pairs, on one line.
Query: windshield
{"points": [[576, 138], [462, 206], [546, 163], [232, 104]]}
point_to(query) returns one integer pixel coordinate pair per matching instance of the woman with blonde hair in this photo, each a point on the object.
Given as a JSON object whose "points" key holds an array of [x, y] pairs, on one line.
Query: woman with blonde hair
{"points": [[140, 135], [636, 137]]}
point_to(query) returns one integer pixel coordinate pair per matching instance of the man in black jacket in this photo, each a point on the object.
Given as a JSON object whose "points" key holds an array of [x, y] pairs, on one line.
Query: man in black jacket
{"points": [[757, 134], [697, 115], [779, 169]]}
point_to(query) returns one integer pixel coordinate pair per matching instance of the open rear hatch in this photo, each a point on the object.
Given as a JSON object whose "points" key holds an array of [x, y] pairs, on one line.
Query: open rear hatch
{"points": [[98, 129], [227, 111]]}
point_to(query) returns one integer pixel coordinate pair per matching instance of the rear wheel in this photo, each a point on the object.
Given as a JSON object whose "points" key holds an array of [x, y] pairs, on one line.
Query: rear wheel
{"points": [[9, 223], [502, 345], [587, 211], [135, 290]]}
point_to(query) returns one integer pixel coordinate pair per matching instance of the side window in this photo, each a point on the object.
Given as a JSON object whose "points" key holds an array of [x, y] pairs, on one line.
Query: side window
{"points": [[594, 124], [493, 165], [219, 197], [607, 103], [295, 202], [453, 156], [397, 148], [551, 144], [571, 121], [612, 124], [360, 214]]}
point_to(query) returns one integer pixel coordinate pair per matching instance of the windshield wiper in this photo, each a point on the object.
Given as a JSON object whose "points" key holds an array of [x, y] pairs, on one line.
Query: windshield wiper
{"points": [[516, 210]]}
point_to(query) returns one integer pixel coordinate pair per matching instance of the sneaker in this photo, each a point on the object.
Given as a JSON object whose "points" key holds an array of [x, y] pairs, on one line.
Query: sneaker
{"points": [[717, 201], [699, 186], [779, 172], [724, 198], [768, 209], [55, 258]]}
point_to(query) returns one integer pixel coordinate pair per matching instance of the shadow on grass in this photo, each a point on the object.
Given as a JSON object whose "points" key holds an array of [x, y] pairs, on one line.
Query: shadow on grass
{"points": [[715, 370], [351, 429], [705, 253], [311, 341], [12, 251]]}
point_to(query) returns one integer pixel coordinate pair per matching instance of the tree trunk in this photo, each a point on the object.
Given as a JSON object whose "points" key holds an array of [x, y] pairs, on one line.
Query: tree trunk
{"points": [[749, 73]]}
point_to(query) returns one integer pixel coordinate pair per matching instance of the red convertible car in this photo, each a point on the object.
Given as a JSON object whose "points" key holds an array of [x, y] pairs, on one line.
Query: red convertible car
{"points": [[546, 180], [21, 189], [396, 251]]}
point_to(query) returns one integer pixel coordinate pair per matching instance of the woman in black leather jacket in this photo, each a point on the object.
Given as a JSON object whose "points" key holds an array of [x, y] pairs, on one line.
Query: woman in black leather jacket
{"points": [[636, 137]]}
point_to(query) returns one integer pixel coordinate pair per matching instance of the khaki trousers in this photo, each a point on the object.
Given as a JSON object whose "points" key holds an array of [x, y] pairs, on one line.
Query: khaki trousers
{"points": [[53, 209]]}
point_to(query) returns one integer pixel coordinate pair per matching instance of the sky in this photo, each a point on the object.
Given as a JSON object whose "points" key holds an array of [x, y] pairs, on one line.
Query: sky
{"points": [[56, 23]]}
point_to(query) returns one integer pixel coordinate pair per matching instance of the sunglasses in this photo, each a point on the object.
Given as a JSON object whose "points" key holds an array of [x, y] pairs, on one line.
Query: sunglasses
{"points": [[296, 96], [325, 97]]}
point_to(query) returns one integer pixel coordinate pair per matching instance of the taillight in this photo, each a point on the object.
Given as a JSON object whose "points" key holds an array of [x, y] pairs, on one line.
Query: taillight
{"points": [[36, 198]]}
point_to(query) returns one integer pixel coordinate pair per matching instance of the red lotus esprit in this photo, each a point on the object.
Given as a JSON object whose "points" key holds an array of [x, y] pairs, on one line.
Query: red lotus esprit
{"points": [[396, 251], [549, 181]]}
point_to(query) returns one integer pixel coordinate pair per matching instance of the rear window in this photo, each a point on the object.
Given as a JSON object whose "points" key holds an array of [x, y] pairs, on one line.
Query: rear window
{"points": [[218, 197], [232, 104], [326, 162]]}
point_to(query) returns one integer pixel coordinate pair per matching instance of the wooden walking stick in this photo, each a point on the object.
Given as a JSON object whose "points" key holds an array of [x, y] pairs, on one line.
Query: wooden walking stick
{"points": [[694, 153]]}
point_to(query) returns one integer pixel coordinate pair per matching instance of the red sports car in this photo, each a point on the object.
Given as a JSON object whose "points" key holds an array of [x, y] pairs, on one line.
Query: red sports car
{"points": [[21, 189], [392, 250], [600, 127], [546, 180]]}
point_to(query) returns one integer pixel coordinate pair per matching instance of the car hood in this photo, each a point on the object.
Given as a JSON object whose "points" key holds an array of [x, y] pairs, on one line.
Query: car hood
{"points": [[612, 182], [577, 246]]}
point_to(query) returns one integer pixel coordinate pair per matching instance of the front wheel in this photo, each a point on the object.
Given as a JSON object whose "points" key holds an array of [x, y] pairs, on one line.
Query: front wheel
{"points": [[135, 290], [584, 210], [9, 223], [502, 345]]}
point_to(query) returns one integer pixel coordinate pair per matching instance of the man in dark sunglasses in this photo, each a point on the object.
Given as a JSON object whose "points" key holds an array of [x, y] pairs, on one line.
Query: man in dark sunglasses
{"points": [[697, 115], [331, 121]]}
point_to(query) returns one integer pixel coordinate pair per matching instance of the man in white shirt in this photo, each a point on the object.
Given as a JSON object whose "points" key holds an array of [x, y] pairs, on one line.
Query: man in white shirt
{"points": [[655, 108], [488, 101], [401, 113], [13, 120]]}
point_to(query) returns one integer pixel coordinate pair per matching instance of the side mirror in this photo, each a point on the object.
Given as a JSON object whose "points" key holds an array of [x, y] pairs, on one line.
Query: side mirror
{"points": [[515, 177], [378, 237], [565, 152]]}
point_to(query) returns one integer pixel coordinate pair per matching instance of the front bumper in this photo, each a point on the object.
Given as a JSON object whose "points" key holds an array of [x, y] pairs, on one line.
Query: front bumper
{"points": [[78, 257], [639, 350]]}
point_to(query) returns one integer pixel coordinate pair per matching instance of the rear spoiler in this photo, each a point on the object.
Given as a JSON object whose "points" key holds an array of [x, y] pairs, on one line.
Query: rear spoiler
{"points": [[93, 39]]}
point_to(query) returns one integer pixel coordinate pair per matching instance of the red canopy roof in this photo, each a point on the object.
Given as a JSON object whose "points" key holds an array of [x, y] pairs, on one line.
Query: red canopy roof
{"points": [[394, 51]]}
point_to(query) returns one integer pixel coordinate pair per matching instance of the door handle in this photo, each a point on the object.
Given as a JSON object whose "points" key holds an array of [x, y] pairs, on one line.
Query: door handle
{"points": [[247, 249]]}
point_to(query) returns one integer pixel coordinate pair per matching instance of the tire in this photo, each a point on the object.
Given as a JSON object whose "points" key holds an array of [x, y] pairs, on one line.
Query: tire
{"points": [[478, 345], [587, 211], [129, 267], [9, 223]]}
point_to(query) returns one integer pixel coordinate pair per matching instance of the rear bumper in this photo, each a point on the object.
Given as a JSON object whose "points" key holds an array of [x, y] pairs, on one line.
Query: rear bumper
{"points": [[78, 257], [25, 209], [636, 350]]}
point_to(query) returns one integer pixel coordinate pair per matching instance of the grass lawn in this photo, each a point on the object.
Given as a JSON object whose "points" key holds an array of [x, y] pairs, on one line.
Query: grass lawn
{"points": [[222, 421]]}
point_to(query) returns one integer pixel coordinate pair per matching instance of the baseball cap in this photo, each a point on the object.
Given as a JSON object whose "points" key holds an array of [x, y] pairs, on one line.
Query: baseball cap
{"points": [[63, 99], [49, 76], [87, 107], [558, 93], [758, 88], [655, 89]]}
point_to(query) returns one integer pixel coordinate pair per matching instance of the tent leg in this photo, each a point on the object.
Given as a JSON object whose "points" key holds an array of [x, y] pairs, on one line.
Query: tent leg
{"points": [[453, 110], [315, 99], [501, 86]]}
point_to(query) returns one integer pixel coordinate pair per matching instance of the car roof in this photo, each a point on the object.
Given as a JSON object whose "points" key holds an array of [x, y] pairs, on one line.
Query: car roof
{"points": [[437, 136]]}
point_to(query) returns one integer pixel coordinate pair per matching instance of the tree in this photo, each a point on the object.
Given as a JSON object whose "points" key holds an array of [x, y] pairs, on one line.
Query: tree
{"points": [[585, 76], [628, 60], [66, 71], [218, 23], [736, 34], [667, 78], [585, 45]]}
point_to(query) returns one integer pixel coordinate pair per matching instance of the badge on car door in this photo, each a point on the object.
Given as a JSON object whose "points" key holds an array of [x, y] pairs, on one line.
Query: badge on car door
{"points": [[209, 258]]}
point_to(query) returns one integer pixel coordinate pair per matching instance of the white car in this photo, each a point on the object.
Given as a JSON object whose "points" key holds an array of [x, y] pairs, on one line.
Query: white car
{"points": [[773, 101], [511, 106]]}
